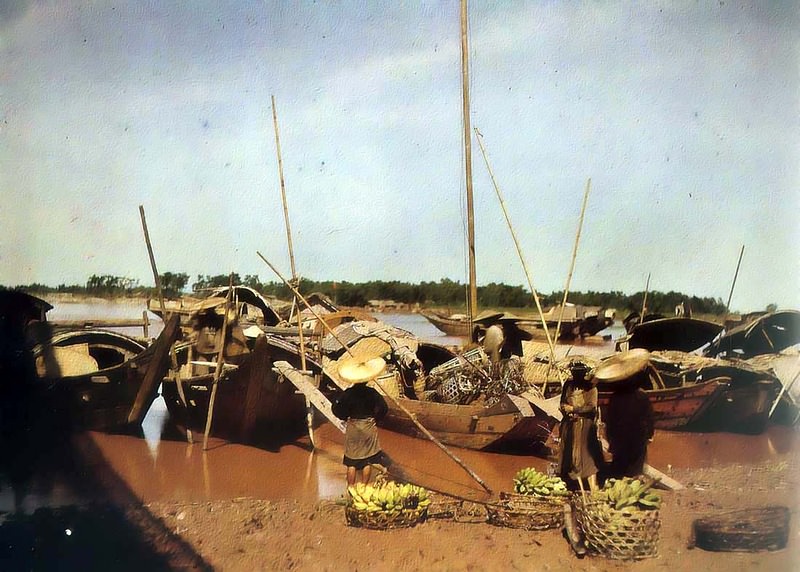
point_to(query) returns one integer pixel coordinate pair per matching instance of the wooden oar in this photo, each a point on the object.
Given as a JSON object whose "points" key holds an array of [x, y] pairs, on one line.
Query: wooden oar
{"points": [[410, 415]]}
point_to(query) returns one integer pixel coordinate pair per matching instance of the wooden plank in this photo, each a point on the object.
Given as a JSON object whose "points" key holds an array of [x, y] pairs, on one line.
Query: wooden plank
{"points": [[155, 370], [663, 479], [306, 386]]}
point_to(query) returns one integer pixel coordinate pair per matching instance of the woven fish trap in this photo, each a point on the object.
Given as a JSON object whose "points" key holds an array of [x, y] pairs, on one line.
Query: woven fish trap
{"points": [[383, 520], [745, 530], [529, 512], [618, 534], [443, 506]]}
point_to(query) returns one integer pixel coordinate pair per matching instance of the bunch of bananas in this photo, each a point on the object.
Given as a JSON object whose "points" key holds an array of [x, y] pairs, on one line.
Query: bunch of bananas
{"points": [[529, 481], [629, 493], [389, 497]]}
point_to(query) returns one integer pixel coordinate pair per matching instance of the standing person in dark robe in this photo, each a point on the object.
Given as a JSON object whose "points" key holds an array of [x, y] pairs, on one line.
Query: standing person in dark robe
{"points": [[361, 407], [580, 454], [629, 426]]}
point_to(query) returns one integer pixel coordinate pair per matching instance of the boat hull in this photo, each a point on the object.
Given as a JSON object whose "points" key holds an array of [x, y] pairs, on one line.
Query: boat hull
{"points": [[252, 403], [451, 327], [676, 408], [513, 423]]}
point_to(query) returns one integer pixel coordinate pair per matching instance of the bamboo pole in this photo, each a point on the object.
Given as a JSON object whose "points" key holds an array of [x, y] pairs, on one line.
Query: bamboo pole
{"points": [[550, 342], [735, 275], [164, 316], [574, 255], [156, 277], [472, 307], [220, 360], [410, 415], [295, 305], [644, 300]]}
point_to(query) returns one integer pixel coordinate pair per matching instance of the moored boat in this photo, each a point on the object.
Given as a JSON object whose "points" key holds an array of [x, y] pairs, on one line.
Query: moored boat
{"points": [[457, 325]]}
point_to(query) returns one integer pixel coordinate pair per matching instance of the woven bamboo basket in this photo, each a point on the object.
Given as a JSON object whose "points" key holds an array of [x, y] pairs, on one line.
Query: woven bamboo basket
{"points": [[618, 534], [530, 512], [745, 530], [381, 520]]}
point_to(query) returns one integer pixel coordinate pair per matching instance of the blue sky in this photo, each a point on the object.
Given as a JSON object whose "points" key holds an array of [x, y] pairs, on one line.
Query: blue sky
{"points": [[683, 114]]}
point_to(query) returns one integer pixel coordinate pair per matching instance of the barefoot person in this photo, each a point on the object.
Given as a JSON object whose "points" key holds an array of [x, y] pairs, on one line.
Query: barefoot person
{"points": [[361, 407], [580, 451]]}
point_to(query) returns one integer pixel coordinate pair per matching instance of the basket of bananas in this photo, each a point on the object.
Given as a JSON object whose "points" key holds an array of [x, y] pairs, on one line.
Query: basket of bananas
{"points": [[386, 505], [621, 521], [537, 502]]}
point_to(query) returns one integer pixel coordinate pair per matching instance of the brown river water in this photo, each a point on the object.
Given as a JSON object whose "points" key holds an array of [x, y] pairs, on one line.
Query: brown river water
{"points": [[158, 465]]}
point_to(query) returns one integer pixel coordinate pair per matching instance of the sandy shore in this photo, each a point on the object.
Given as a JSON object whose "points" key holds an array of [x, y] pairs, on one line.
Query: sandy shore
{"points": [[253, 534]]}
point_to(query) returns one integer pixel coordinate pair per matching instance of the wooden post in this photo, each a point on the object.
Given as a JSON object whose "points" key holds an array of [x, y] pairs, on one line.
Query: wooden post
{"points": [[155, 370], [164, 315], [472, 305], [220, 361], [145, 324]]}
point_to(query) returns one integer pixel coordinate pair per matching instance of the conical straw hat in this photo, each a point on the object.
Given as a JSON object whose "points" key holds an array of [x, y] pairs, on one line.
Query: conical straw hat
{"points": [[357, 371], [622, 366]]}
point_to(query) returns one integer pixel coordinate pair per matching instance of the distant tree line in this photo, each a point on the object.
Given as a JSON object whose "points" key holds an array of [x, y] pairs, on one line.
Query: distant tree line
{"points": [[444, 293]]}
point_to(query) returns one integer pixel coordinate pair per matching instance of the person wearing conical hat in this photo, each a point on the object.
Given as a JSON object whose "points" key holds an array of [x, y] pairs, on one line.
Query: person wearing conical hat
{"points": [[361, 407], [580, 453]]}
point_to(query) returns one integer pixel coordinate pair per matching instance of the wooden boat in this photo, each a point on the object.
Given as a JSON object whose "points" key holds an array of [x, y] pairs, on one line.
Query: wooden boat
{"points": [[742, 406], [767, 334], [678, 408], [251, 306], [457, 325], [677, 333], [253, 403], [77, 378], [576, 321], [515, 423], [100, 380]]}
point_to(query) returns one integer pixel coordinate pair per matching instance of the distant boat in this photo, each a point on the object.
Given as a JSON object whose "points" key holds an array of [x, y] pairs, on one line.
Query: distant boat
{"points": [[576, 321], [457, 325]]}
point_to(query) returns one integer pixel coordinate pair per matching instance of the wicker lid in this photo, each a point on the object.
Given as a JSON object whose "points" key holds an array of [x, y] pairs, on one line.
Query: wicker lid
{"points": [[357, 371], [622, 366]]}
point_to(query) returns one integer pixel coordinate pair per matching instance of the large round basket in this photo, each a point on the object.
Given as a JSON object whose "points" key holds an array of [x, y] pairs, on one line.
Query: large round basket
{"points": [[381, 520], [529, 512], [745, 530], [617, 534]]}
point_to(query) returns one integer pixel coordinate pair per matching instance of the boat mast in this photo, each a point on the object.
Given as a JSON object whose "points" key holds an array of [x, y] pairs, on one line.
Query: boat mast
{"points": [[472, 302]]}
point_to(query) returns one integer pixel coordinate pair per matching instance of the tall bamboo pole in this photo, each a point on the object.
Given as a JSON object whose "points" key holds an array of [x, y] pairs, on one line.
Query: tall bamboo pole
{"points": [[408, 413], [574, 255], [736, 274], [644, 300], [528, 276], [472, 306], [295, 304]]}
